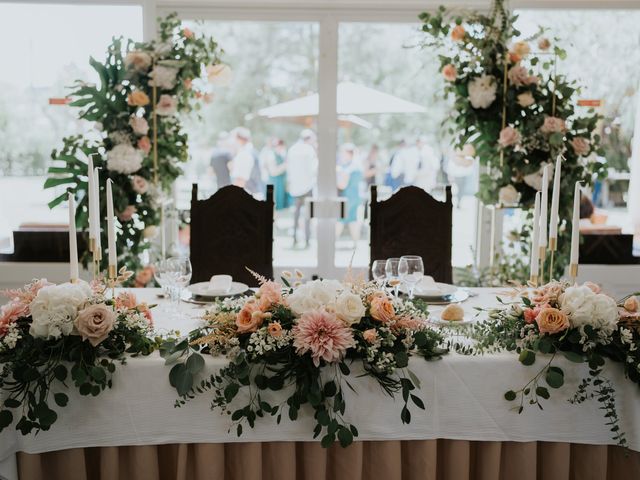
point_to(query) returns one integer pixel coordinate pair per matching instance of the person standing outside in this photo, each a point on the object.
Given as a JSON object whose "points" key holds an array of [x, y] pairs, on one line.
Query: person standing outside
{"points": [[349, 177], [245, 168], [220, 159], [302, 170]]}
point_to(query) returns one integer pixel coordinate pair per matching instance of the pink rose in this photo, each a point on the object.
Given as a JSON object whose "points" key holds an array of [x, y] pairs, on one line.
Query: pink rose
{"points": [[143, 277], [518, 75], [553, 124], [370, 335], [144, 144], [167, 105], [269, 293], [530, 314], [127, 213], [509, 136], [275, 329], [449, 72], [595, 288], [187, 33], [139, 125], [139, 184], [95, 322], [581, 146]]}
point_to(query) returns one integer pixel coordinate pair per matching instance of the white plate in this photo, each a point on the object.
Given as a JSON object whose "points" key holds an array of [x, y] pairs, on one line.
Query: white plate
{"points": [[444, 289], [203, 289], [435, 318]]}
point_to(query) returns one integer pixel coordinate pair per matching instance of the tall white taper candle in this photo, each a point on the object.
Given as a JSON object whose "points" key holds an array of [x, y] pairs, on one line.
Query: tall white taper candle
{"points": [[544, 209], [111, 232], [575, 226], [534, 267], [96, 206], [73, 240], [555, 205], [91, 196]]}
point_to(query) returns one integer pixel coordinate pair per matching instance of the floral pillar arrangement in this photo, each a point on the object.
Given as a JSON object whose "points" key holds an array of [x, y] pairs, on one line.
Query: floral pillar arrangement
{"points": [[515, 112], [137, 142]]}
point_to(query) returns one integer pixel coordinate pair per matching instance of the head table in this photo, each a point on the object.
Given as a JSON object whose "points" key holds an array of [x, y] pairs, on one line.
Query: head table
{"points": [[464, 402]]}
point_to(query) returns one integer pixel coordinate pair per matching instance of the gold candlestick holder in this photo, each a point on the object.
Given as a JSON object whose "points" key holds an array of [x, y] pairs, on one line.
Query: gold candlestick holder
{"points": [[543, 254], [533, 280], [112, 276], [573, 272], [553, 246]]}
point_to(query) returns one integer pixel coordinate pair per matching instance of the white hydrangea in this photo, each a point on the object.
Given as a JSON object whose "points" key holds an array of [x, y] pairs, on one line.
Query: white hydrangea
{"points": [[124, 158], [482, 91], [314, 295], [584, 307], [56, 307]]}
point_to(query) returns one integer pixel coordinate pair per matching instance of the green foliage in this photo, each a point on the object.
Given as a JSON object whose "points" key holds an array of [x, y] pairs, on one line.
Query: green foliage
{"points": [[106, 106], [485, 49]]}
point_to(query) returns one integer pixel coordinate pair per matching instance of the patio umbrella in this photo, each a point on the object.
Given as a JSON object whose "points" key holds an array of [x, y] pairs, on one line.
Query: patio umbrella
{"points": [[353, 100]]}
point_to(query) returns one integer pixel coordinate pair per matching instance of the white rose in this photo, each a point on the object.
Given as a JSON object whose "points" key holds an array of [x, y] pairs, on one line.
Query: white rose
{"points": [[605, 313], [508, 195], [220, 75], [55, 308], [124, 158], [163, 77], [313, 295], [482, 91], [349, 308]]}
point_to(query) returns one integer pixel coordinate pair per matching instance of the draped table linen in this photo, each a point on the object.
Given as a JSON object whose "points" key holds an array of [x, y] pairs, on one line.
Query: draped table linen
{"points": [[463, 396]]}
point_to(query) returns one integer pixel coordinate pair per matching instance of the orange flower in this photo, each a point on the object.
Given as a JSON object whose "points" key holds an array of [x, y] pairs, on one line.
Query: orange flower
{"points": [[138, 99], [381, 309], [370, 335], [631, 304], [552, 320], [514, 57], [249, 318], [187, 33], [275, 329], [449, 72], [458, 33]]}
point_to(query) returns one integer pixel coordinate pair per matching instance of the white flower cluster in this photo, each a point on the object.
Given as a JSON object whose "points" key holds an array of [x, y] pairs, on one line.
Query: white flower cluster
{"points": [[330, 295], [56, 307], [383, 361], [10, 339], [124, 158], [584, 307], [261, 342], [136, 321]]}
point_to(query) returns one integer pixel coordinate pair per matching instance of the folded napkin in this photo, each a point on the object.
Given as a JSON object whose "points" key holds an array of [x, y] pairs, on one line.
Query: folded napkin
{"points": [[220, 283], [428, 286]]}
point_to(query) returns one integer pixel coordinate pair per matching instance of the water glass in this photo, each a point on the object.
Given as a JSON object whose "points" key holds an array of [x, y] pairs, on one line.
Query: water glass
{"points": [[410, 271], [393, 277], [378, 271], [180, 268]]}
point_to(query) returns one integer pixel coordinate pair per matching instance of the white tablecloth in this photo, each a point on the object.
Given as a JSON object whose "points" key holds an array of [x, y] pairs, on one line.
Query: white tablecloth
{"points": [[463, 395]]}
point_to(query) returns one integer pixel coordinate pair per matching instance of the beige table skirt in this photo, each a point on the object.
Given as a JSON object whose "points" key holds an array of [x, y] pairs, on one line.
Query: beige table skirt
{"points": [[392, 460]]}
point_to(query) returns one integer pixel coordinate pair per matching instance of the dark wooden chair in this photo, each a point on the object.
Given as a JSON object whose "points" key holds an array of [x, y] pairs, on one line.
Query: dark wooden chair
{"points": [[607, 250], [231, 230], [412, 222]]}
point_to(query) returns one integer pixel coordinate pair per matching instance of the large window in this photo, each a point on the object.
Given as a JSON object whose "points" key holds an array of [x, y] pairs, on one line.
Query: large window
{"points": [[44, 50]]}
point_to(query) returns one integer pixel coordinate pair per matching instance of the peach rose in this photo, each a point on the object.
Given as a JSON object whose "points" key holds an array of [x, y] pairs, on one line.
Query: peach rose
{"points": [[521, 48], [525, 99], [249, 318], [509, 136], [370, 335], [552, 320], [458, 33], [268, 294], [275, 329], [449, 72], [514, 57], [581, 146], [187, 33], [126, 300], [530, 314], [408, 323], [167, 105], [594, 287], [144, 144], [381, 309], [95, 322], [127, 214], [138, 60], [138, 99], [631, 304], [544, 44], [518, 75], [139, 125]]}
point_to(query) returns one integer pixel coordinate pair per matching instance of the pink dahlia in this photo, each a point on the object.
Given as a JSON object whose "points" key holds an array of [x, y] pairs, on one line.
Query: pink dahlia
{"points": [[323, 335]]}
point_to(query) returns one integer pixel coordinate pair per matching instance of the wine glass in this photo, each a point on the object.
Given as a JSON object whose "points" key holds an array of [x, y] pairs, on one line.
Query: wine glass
{"points": [[180, 268], [410, 271], [393, 277], [378, 272], [164, 276]]}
